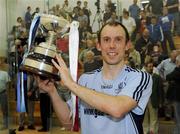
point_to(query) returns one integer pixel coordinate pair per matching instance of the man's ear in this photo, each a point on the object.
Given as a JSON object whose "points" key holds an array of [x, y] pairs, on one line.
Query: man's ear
{"points": [[98, 46], [128, 44]]}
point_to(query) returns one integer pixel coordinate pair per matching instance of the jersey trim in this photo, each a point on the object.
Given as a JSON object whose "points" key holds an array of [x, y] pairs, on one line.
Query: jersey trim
{"points": [[142, 86], [94, 71], [137, 122]]}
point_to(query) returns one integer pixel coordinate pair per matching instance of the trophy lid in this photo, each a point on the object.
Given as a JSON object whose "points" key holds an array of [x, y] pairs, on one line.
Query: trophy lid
{"points": [[50, 22]]}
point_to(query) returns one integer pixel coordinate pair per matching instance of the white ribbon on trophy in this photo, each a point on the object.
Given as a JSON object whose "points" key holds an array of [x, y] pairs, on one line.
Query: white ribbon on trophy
{"points": [[73, 59]]}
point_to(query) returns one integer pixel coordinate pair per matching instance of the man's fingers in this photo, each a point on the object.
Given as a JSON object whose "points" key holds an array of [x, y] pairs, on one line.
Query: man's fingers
{"points": [[60, 60], [55, 64]]}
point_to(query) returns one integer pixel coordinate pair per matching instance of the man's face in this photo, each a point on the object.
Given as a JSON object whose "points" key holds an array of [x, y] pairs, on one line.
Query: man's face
{"points": [[135, 1], [113, 44], [149, 68], [153, 21], [173, 55]]}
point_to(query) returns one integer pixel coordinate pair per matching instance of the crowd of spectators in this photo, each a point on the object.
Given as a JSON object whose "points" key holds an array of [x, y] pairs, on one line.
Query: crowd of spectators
{"points": [[152, 31]]}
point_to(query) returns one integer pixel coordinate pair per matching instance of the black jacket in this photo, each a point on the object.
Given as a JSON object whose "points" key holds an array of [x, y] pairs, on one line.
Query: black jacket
{"points": [[173, 92]]}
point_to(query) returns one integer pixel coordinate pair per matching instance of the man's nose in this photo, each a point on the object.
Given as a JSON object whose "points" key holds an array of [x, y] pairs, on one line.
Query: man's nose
{"points": [[112, 44]]}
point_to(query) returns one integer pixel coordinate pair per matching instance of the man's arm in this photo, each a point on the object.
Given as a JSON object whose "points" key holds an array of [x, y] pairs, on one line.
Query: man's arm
{"points": [[116, 106], [61, 108]]}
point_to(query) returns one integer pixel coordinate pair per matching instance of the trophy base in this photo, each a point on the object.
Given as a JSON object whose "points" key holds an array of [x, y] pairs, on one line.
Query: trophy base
{"points": [[43, 74]]}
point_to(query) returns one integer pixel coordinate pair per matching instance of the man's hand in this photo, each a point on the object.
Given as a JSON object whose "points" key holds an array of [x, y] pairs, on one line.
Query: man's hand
{"points": [[66, 78], [29, 93], [45, 85]]}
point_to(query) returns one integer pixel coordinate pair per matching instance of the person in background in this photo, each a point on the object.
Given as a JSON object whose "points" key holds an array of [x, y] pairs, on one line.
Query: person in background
{"points": [[174, 79], [173, 9], [155, 7], [134, 11], [91, 63], [155, 31], [66, 9], [28, 18], [4, 85], [45, 111], [87, 11], [128, 22], [30, 104], [166, 21], [143, 45], [37, 10], [166, 67], [150, 123], [113, 17], [135, 56]]}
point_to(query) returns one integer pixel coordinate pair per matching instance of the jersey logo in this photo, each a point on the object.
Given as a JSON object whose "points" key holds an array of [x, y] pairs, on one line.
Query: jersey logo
{"points": [[106, 86], [121, 85], [95, 112]]}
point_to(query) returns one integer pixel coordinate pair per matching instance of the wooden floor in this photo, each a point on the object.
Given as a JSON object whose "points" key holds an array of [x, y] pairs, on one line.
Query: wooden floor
{"points": [[55, 130], [165, 127]]}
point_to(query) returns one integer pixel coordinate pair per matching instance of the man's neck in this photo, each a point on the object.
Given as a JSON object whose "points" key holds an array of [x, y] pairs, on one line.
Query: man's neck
{"points": [[111, 71]]}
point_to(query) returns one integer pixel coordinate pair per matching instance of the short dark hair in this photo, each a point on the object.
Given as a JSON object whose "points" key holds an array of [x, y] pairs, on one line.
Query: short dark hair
{"points": [[113, 23], [78, 2], [153, 17]]}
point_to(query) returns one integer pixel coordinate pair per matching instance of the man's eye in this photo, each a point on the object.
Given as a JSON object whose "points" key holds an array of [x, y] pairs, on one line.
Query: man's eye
{"points": [[106, 40], [118, 39]]}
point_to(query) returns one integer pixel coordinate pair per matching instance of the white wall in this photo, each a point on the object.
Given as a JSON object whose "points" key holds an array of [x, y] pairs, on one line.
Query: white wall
{"points": [[3, 29], [17, 8], [21, 5]]}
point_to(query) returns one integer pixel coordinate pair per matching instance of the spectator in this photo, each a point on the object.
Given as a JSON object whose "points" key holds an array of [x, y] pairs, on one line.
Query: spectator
{"points": [[156, 7], [106, 15], [134, 55], [134, 11], [66, 9], [30, 98], [155, 31], [165, 68], [145, 20], [28, 18], [91, 63], [173, 9], [111, 6], [150, 123], [75, 14], [157, 55], [113, 18], [90, 46], [174, 90], [4, 82], [82, 16], [167, 23], [143, 45], [78, 5], [128, 22], [87, 11], [37, 10], [45, 111]]}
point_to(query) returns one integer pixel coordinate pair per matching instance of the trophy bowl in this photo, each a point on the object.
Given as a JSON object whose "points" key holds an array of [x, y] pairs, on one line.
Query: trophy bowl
{"points": [[39, 59]]}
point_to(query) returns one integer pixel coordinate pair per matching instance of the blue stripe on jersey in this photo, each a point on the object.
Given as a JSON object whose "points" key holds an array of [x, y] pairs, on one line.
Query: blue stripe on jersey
{"points": [[143, 83], [94, 71], [129, 69], [137, 122]]}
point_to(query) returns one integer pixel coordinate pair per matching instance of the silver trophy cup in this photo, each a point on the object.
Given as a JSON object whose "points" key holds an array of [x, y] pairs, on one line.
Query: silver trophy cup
{"points": [[38, 60]]}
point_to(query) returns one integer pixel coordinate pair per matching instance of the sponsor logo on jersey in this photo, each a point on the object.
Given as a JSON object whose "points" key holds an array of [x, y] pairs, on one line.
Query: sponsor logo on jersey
{"points": [[95, 112]]}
